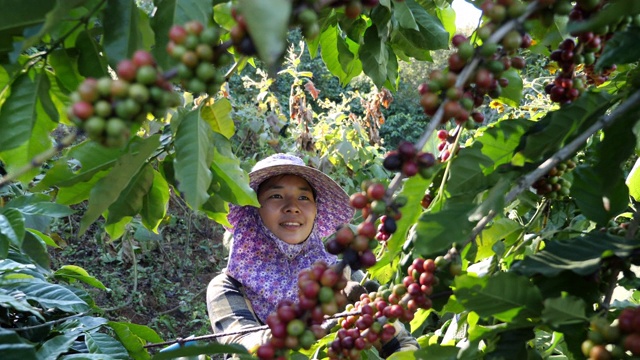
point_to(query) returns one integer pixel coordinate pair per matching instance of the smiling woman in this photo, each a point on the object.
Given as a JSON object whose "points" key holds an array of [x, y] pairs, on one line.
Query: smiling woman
{"points": [[276, 243]]}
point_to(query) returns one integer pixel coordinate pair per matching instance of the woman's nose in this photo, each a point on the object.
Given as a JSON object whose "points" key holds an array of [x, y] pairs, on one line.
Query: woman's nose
{"points": [[292, 206]]}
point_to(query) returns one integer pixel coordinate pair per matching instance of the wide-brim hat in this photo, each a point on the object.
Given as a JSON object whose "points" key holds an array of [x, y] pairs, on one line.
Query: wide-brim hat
{"points": [[332, 202]]}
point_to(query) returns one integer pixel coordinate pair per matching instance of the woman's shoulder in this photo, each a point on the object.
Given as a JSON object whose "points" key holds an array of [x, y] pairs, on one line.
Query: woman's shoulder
{"points": [[224, 280]]}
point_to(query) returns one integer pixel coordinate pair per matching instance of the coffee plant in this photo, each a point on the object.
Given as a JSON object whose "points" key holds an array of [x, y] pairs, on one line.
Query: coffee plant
{"points": [[508, 239]]}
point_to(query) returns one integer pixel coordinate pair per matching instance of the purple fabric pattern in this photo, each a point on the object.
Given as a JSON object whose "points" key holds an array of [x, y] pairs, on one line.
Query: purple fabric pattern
{"points": [[268, 267]]}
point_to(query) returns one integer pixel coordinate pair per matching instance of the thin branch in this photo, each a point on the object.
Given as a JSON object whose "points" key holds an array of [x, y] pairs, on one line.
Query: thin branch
{"points": [[240, 332], [39, 159], [563, 154], [52, 322]]}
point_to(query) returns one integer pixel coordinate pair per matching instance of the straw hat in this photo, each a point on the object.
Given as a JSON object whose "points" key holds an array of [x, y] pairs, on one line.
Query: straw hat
{"points": [[332, 201]]}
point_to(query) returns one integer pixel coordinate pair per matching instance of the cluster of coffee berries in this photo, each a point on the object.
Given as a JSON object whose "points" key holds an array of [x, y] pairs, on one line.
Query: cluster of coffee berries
{"points": [[199, 56], [356, 249], [553, 185], [585, 48], [616, 228], [445, 145], [386, 227], [307, 18], [451, 262], [408, 160], [566, 87], [617, 340], [629, 324], [459, 103], [240, 37], [298, 325], [360, 331], [375, 313], [107, 110]]}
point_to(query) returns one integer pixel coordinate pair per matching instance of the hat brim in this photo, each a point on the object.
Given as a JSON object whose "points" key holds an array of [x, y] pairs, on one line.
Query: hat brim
{"points": [[332, 202]]}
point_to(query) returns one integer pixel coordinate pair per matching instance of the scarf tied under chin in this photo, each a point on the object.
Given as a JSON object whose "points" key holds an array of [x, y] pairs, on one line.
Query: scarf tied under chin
{"points": [[267, 267]]}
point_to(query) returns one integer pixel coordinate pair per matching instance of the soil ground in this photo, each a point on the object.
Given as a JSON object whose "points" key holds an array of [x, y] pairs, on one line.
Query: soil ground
{"points": [[157, 280]]}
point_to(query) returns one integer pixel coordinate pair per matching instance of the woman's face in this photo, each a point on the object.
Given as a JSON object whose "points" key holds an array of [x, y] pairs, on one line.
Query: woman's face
{"points": [[288, 208]]}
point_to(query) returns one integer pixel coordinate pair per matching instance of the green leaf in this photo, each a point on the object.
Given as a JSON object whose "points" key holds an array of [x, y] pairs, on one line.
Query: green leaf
{"points": [[437, 231], [447, 17], [337, 55], [610, 14], [11, 230], [633, 181], [36, 249], [141, 331], [170, 12], [56, 346], [349, 62], [512, 344], [103, 344], [432, 35], [193, 157], [233, 180], [57, 15], [38, 142], [504, 296], [92, 158], [269, 37], [558, 126], [130, 201], [218, 116], [374, 56], [80, 191], [467, 174], [155, 202], [581, 255], [10, 302], [402, 14], [39, 204], [45, 239], [12, 347], [564, 310], [194, 350], [599, 198], [26, 13], [122, 36], [512, 94], [72, 273], [49, 295], [108, 189], [91, 62], [133, 337], [499, 229], [620, 49], [436, 351], [18, 113]]}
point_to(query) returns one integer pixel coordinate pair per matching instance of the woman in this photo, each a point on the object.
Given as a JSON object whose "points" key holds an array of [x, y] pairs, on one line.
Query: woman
{"points": [[299, 206]]}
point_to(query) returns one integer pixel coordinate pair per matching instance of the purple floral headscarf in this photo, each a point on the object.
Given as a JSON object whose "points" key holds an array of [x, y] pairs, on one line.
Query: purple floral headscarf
{"points": [[266, 266]]}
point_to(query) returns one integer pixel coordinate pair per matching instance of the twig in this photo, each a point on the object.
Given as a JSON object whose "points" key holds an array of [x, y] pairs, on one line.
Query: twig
{"points": [[561, 155], [39, 159], [52, 322], [240, 332]]}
